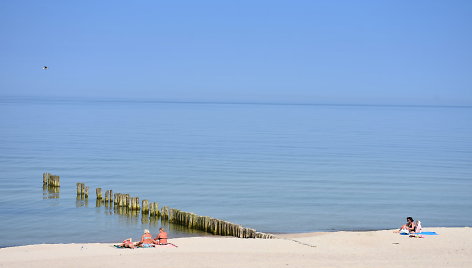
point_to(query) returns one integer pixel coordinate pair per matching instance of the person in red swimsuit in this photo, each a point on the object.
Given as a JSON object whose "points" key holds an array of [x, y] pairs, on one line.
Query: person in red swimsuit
{"points": [[161, 238]]}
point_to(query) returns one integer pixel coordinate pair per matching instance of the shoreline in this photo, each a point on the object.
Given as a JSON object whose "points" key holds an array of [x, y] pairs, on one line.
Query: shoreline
{"points": [[383, 248], [277, 235]]}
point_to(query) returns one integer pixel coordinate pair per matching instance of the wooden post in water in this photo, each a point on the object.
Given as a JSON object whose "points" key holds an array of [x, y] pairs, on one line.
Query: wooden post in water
{"points": [[98, 191], [154, 209], [122, 198], [128, 201], [54, 181], [51, 180], [80, 188], [165, 212], [45, 178], [135, 204], [110, 195], [86, 192], [145, 207]]}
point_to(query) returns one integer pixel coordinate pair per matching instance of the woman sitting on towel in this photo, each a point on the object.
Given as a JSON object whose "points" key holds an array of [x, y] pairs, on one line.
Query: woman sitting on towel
{"points": [[146, 240], [410, 225]]}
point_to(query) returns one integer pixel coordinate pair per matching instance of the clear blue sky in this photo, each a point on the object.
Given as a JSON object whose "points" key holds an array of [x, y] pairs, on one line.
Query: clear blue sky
{"points": [[387, 52]]}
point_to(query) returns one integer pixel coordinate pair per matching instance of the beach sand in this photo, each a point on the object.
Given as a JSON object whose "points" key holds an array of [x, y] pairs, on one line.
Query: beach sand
{"points": [[451, 248]]}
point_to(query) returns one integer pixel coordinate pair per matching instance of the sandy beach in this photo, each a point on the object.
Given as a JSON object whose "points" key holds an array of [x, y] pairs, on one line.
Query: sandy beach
{"points": [[451, 248]]}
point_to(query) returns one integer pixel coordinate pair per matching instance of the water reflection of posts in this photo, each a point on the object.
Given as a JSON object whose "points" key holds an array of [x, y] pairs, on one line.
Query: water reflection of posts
{"points": [[50, 192], [51, 184], [145, 212], [80, 201]]}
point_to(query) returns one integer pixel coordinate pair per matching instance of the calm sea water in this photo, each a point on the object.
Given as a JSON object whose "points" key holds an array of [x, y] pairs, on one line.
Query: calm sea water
{"points": [[276, 168]]}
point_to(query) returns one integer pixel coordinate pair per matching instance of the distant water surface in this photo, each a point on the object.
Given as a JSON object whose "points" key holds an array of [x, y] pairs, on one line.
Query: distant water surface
{"points": [[275, 168]]}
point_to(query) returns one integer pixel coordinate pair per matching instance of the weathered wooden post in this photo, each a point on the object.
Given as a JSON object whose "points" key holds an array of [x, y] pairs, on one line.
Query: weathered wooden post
{"points": [[154, 209], [121, 200], [110, 196], [86, 192], [51, 180], [98, 191], [136, 205], [79, 188], [54, 181], [165, 212], [145, 207], [128, 201], [45, 178]]}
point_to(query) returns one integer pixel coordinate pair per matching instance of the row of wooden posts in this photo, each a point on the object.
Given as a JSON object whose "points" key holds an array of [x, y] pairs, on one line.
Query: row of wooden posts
{"points": [[210, 225], [176, 216]]}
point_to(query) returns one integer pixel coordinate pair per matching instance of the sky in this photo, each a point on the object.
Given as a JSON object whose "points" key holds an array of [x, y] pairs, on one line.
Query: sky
{"points": [[344, 52]]}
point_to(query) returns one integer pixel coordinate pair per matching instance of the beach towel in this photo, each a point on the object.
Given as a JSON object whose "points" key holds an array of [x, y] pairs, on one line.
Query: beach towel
{"points": [[119, 246], [421, 233]]}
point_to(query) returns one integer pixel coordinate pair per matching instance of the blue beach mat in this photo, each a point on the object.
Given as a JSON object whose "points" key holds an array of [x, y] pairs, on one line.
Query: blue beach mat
{"points": [[422, 233]]}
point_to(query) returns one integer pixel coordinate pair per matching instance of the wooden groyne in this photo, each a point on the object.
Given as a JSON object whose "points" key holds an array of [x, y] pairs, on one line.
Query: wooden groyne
{"points": [[51, 180], [82, 190], [124, 204], [210, 225]]}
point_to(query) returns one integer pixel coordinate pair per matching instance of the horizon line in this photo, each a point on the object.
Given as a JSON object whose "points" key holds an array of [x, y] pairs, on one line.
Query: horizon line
{"points": [[226, 102]]}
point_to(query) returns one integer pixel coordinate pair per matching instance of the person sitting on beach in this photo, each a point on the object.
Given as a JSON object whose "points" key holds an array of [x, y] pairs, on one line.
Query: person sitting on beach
{"points": [[410, 225], [127, 243], [146, 240], [161, 238]]}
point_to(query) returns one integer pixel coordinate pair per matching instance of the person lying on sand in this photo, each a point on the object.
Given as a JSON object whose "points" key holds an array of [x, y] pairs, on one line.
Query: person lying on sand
{"points": [[146, 240], [410, 226], [161, 238], [127, 243]]}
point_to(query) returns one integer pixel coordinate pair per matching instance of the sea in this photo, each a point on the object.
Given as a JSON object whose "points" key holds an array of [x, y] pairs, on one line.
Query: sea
{"points": [[274, 167]]}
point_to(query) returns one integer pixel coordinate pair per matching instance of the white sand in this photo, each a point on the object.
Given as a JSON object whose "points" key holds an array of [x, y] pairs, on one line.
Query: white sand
{"points": [[451, 248]]}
